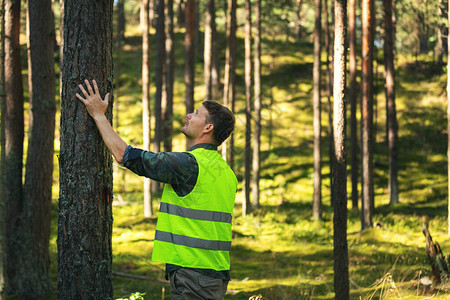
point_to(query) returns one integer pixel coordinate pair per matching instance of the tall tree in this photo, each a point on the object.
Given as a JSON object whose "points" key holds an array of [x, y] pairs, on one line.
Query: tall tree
{"points": [[390, 99], [257, 107], [448, 120], [37, 197], [215, 64], [246, 205], [159, 72], [189, 46], [14, 135], [121, 20], [298, 26], [367, 114], [230, 75], [146, 115], [329, 89], [2, 156], [341, 281], [85, 198], [208, 48], [169, 82], [317, 198], [352, 93]]}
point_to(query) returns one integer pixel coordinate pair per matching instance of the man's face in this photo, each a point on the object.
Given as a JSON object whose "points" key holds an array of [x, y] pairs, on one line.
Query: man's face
{"points": [[195, 123]]}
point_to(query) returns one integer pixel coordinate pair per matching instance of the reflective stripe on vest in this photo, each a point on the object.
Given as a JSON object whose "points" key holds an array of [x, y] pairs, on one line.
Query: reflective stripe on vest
{"points": [[192, 242], [205, 215]]}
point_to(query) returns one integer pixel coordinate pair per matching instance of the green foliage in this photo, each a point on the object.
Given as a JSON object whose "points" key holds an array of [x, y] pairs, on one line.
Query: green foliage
{"points": [[134, 296]]}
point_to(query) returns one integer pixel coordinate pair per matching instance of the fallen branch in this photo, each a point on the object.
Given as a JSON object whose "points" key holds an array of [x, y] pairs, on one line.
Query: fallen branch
{"points": [[140, 277]]}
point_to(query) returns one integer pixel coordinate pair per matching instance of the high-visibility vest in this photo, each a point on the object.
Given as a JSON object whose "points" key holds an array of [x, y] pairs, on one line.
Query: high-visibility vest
{"points": [[195, 230]]}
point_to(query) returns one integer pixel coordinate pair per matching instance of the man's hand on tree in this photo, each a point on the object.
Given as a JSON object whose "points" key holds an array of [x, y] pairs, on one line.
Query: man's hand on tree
{"points": [[94, 103]]}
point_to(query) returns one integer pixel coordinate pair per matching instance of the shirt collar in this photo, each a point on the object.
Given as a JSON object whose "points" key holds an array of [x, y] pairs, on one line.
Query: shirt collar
{"points": [[204, 146]]}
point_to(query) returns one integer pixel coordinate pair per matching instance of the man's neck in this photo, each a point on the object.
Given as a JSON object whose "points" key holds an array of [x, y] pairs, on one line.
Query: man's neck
{"points": [[192, 143]]}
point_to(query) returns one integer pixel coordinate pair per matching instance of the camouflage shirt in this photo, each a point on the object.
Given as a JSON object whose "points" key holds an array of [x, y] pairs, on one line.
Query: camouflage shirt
{"points": [[179, 169]]}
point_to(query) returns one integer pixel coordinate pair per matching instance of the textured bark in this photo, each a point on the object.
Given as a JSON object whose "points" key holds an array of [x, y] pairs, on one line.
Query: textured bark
{"points": [[367, 114], [170, 67], [37, 198], [390, 99], [317, 197], [2, 156], [230, 76], [341, 280], [85, 199], [14, 135], [189, 46], [352, 94], [246, 205], [146, 115], [257, 107]]}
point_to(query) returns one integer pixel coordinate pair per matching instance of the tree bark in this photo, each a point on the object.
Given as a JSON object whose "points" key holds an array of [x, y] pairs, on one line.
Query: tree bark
{"points": [[189, 46], [230, 76], [390, 93], [367, 114], [85, 199], [448, 120], [208, 48], [146, 114], [14, 135], [353, 102], [341, 280], [3, 246], [257, 107], [37, 198], [170, 67], [159, 72], [317, 197], [246, 207]]}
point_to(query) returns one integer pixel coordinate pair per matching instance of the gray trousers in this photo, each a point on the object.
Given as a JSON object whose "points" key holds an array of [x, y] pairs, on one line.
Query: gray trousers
{"points": [[186, 284]]}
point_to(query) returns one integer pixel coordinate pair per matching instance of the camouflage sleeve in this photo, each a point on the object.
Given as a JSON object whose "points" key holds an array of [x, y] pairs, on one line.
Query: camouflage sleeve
{"points": [[175, 168]]}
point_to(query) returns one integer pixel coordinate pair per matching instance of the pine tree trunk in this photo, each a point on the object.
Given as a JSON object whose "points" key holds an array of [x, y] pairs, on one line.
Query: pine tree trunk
{"points": [[367, 114], [3, 246], [341, 280], [448, 121], [215, 64], [85, 199], [257, 107], [390, 93], [159, 72], [298, 26], [14, 135], [246, 207], [317, 200], [189, 46], [208, 49], [37, 197], [230, 76], [170, 66], [352, 92], [121, 20], [146, 115]]}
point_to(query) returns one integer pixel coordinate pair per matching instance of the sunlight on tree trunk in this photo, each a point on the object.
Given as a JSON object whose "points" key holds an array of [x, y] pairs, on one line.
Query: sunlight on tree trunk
{"points": [[448, 122], [2, 156], [189, 46]]}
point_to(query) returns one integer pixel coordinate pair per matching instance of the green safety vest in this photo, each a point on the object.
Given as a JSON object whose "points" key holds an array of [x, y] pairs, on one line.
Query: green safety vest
{"points": [[195, 230]]}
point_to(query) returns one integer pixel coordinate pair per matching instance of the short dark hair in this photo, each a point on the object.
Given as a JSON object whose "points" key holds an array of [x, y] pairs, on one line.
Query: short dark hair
{"points": [[222, 119]]}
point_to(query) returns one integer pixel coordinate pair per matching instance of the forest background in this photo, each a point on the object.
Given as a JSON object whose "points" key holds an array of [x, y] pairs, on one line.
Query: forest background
{"points": [[280, 249]]}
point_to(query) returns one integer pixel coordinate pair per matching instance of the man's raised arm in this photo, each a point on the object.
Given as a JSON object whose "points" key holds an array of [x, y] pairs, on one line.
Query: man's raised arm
{"points": [[96, 108]]}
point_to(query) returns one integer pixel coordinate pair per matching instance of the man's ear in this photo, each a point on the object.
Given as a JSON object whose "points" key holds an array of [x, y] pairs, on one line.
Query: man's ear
{"points": [[208, 128]]}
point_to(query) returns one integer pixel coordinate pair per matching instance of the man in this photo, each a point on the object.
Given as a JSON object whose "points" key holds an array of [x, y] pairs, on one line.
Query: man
{"points": [[193, 233]]}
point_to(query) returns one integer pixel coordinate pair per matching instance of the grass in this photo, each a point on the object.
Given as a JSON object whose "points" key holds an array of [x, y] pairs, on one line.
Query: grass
{"points": [[278, 251]]}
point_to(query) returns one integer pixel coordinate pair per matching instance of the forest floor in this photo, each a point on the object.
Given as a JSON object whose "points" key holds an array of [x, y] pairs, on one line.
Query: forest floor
{"points": [[278, 251]]}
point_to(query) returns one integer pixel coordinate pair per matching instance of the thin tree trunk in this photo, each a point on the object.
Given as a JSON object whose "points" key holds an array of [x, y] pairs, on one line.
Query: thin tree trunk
{"points": [[329, 83], [170, 67], [208, 49], [3, 246], [317, 200], [14, 135], [229, 76], [215, 65], [448, 120], [85, 199], [298, 27], [367, 114], [189, 46], [341, 280], [159, 72], [246, 205], [121, 20], [257, 107], [146, 114], [353, 102], [37, 198], [391, 111]]}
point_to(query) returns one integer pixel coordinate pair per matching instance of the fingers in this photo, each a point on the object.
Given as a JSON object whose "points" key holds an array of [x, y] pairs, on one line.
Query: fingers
{"points": [[95, 87], [107, 98], [88, 85], [83, 91]]}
